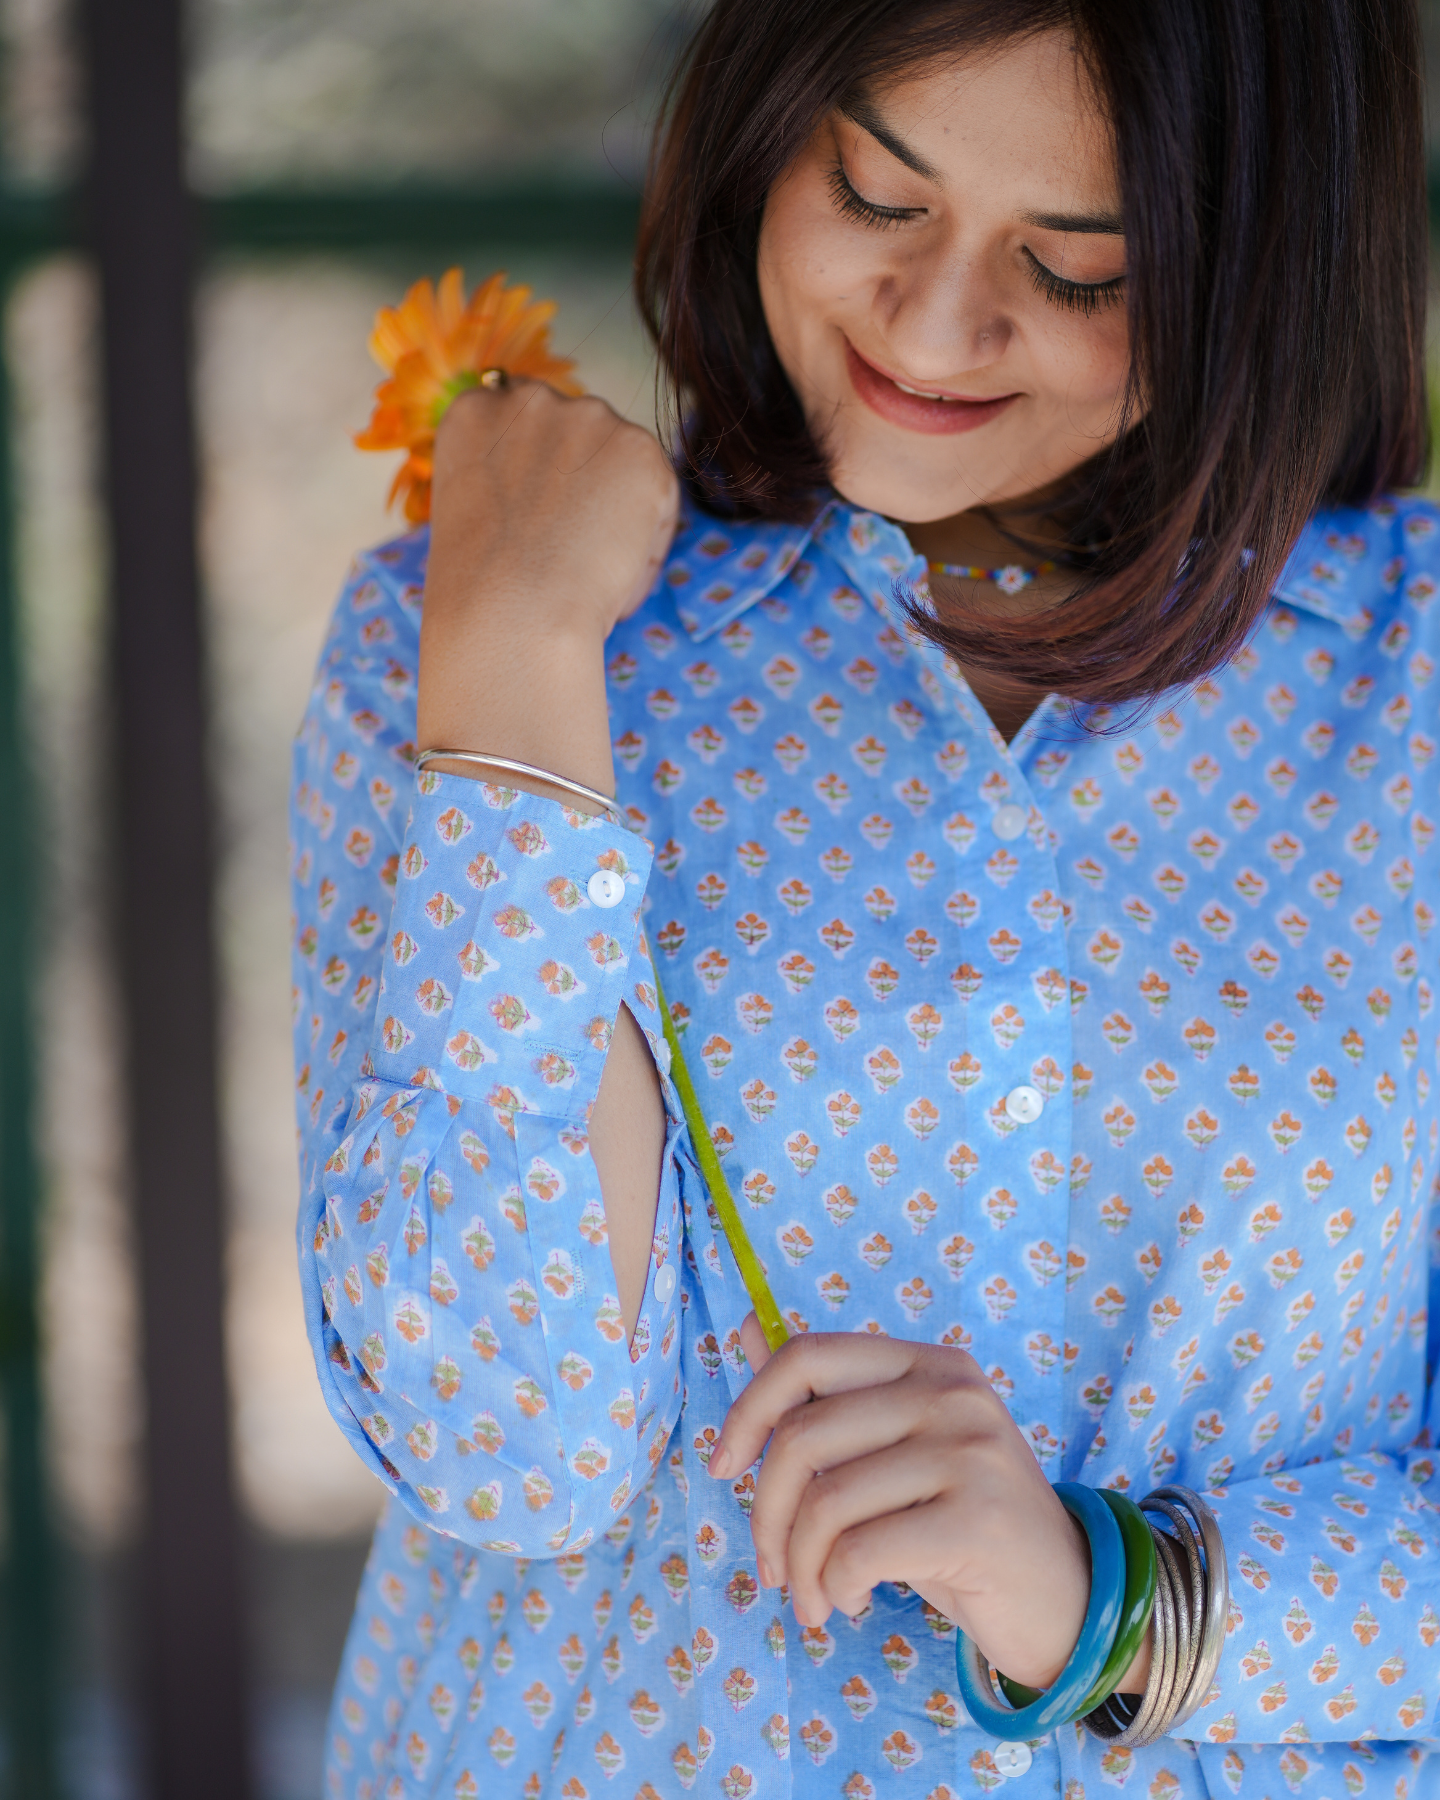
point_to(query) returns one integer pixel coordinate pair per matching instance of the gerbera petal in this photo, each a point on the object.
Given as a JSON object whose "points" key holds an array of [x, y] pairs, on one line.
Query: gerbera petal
{"points": [[450, 303], [433, 344]]}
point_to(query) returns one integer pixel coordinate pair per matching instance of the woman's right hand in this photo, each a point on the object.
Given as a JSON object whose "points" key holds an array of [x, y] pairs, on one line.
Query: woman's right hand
{"points": [[550, 521]]}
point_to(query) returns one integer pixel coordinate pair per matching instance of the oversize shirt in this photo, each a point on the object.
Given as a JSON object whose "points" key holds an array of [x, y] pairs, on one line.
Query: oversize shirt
{"points": [[1108, 1055]]}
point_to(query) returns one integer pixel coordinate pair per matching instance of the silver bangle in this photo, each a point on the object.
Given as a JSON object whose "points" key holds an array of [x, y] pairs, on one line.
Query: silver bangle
{"points": [[1216, 1589], [606, 802], [1127, 1723], [1192, 1605]]}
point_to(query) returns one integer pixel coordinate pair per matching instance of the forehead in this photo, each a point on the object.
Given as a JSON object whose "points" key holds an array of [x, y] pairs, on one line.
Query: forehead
{"points": [[1023, 113]]}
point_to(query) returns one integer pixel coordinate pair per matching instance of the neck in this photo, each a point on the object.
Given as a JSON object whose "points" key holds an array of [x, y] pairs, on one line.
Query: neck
{"points": [[987, 540]]}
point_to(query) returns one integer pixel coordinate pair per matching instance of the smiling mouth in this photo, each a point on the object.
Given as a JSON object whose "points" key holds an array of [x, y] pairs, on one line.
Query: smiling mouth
{"points": [[921, 394], [925, 410]]}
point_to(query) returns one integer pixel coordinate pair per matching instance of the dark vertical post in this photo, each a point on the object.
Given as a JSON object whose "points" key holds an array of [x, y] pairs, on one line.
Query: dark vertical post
{"points": [[140, 221], [28, 1590]]}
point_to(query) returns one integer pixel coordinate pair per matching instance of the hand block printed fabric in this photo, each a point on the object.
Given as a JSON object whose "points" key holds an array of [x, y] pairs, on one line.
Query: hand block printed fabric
{"points": [[1109, 1056]]}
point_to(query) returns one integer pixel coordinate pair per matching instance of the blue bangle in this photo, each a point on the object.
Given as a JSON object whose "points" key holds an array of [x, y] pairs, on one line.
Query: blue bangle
{"points": [[1087, 1659]]}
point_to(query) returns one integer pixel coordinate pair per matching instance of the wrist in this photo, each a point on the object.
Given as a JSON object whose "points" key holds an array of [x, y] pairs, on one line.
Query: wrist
{"points": [[526, 689], [510, 772], [1135, 1677], [532, 607]]}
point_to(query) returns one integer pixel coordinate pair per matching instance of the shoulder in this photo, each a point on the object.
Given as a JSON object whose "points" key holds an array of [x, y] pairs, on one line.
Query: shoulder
{"points": [[378, 610], [1363, 567], [360, 716], [371, 651]]}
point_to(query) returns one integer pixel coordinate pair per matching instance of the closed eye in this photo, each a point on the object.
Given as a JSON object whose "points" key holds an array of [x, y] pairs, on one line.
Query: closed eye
{"points": [[851, 205], [1085, 297]]}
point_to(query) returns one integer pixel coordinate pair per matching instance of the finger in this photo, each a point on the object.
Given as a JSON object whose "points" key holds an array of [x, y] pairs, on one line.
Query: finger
{"points": [[836, 1501], [820, 1436], [752, 1342], [913, 1546], [477, 419], [814, 1364]]}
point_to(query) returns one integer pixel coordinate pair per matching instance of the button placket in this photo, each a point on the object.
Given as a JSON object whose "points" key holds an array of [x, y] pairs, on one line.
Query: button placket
{"points": [[1028, 1165], [1028, 1176]]}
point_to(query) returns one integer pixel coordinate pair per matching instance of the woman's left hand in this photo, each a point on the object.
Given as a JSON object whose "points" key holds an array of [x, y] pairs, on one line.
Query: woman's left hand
{"points": [[896, 1461]]}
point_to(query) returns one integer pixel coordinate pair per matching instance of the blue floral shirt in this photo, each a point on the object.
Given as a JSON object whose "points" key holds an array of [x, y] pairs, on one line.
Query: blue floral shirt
{"points": [[1108, 1055]]}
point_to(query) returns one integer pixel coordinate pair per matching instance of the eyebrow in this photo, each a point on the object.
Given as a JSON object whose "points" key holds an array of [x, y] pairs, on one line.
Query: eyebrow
{"points": [[862, 113], [1093, 224]]}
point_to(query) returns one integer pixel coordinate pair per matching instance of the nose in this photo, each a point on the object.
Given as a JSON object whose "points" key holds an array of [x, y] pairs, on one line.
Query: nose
{"points": [[944, 318]]}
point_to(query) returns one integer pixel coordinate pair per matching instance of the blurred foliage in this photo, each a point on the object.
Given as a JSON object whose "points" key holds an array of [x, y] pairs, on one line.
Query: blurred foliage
{"points": [[314, 90]]}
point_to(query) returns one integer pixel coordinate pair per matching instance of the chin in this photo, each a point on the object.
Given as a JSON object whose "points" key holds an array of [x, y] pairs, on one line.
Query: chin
{"points": [[899, 494]]}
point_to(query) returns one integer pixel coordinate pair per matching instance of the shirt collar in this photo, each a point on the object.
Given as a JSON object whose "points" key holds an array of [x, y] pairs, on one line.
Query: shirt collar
{"points": [[718, 570], [1320, 570]]}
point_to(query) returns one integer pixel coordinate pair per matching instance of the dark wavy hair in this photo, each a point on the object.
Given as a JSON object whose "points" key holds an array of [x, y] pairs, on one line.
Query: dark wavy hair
{"points": [[1273, 183]]}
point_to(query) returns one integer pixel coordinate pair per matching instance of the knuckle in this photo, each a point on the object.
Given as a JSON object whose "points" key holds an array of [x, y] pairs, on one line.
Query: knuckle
{"points": [[826, 1488], [806, 1351], [846, 1553], [791, 1430], [847, 1561]]}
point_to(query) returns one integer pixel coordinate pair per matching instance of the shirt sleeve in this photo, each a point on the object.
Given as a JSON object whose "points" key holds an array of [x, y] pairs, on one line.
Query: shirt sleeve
{"points": [[1335, 1587], [455, 1261], [1335, 1563]]}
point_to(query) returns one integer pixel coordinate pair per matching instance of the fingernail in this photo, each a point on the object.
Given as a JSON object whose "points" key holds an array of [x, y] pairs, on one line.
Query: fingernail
{"points": [[767, 1574], [720, 1461]]}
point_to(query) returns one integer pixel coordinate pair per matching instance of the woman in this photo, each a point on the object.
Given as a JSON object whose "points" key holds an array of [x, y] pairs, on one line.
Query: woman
{"points": [[1030, 622]]}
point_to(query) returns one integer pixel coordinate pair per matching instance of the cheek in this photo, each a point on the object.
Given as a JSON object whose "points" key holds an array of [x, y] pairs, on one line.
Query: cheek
{"points": [[808, 268], [1084, 362]]}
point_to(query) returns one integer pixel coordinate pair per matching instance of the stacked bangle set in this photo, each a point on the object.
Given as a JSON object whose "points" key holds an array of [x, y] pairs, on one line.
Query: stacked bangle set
{"points": [[1170, 1569]]}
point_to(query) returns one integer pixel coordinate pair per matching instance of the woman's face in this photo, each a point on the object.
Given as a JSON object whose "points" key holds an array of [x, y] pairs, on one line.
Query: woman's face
{"points": [[942, 271]]}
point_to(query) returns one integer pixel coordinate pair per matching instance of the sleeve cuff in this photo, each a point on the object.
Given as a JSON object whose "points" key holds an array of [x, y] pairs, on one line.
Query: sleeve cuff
{"points": [[509, 949]]}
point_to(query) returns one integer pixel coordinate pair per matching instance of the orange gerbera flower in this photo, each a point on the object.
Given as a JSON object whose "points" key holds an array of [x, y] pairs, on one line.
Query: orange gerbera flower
{"points": [[434, 344]]}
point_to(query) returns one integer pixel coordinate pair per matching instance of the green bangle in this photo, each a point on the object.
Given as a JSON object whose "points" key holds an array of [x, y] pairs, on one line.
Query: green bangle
{"points": [[1135, 1610]]}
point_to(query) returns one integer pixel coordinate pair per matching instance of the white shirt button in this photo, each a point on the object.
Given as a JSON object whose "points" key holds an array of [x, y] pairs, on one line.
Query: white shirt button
{"points": [[1012, 1759], [1009, 820], [1024, 1104], [664, 1282], [606, 888]]}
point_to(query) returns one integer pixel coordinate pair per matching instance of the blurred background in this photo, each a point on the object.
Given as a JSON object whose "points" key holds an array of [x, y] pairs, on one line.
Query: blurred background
{"points": [[338, 149], [341, 149]]}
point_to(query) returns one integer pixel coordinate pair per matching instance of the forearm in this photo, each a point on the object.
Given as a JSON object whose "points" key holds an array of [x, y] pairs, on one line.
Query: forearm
{"points": [[1335, 1606], [502, 678]]}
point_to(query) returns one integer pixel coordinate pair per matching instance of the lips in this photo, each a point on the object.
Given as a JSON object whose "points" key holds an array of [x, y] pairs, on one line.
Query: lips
{"points": [[915, 409]]}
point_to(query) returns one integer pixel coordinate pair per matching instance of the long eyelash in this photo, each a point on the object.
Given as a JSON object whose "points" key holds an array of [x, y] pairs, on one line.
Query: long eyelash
{"points": [[1083, 297], [851, 205]]}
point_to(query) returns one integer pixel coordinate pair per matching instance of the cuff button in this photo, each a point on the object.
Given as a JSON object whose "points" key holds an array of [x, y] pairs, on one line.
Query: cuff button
{"points": [[606, 888]]}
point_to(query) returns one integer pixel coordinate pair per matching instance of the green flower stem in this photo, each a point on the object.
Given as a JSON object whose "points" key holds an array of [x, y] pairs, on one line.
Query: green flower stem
{"points": [[751, 1273]]}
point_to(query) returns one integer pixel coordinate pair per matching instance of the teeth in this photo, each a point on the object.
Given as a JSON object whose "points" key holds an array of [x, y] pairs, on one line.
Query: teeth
{"points": [[920, 393]]}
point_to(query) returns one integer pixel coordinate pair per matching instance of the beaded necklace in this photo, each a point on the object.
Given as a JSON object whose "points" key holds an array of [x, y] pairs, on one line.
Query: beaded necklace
{"points": [[1009, 579]]}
